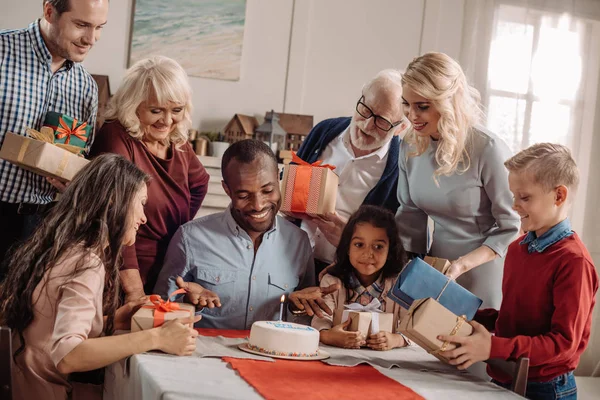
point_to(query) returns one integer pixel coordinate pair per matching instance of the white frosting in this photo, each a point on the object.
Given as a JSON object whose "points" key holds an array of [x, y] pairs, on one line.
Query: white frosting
{"points": [[284, 339]]}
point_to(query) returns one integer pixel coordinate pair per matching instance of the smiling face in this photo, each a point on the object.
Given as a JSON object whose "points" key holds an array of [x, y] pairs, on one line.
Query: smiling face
{"points": [[540, 209], [420, 112], [136, 217], [254, 192], [364, 134], [72, 34], [368, 251], [158, 121]]}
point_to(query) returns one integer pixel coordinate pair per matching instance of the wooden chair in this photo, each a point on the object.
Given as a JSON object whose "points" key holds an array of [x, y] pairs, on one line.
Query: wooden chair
{"points": [[519, 371], [5, 363]]}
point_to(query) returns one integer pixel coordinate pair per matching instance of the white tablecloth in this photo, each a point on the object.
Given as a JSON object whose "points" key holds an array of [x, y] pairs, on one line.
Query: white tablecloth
{"points": [[163, 377]]}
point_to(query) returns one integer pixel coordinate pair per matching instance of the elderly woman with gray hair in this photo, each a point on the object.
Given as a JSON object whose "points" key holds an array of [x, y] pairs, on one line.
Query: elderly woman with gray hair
{"points": [[147, 122]]}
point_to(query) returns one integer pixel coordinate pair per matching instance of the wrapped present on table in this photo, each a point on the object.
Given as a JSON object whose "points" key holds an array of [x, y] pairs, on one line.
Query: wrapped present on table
{"points": [[369, 319], [42, 157], [309, 188], [427, 319], [68, 130], [419, 280], [441, 264], [157, 311]]}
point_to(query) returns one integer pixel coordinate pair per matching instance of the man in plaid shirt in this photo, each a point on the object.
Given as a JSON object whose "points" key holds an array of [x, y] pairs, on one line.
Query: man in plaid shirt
{"points": [[40, 72]]}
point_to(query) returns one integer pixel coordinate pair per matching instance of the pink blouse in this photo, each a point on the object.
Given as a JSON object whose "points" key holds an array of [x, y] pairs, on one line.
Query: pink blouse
{"points": [[66, 312]]}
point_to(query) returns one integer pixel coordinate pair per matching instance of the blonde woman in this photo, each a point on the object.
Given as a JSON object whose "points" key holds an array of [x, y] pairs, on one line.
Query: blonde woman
{"points": [[452, 170], [147, 122]]}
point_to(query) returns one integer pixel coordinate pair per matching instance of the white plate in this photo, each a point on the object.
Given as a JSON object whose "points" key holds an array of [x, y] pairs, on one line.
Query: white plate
{"points": [[322, 355]]}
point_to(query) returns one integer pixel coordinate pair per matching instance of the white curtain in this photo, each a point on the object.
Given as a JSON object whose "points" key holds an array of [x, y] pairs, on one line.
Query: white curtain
{"points": [[536, 64]]}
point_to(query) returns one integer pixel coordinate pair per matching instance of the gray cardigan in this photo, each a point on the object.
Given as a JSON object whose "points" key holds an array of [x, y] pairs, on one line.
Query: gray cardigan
{"points": [[468, 210]]}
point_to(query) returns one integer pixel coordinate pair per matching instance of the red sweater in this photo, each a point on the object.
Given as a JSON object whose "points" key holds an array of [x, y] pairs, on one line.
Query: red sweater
{"points": [[175, 193], [546, 310]]}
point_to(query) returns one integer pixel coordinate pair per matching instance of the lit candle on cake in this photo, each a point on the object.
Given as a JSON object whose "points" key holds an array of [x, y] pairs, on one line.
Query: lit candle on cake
{"points": [[281, 307]]}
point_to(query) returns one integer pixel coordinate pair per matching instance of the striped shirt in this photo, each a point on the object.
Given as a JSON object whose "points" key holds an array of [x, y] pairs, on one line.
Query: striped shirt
{"points": [[28, 90]]}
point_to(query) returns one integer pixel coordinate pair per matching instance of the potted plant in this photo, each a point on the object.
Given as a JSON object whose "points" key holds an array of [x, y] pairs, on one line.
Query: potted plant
{"points": [[218, 145]]}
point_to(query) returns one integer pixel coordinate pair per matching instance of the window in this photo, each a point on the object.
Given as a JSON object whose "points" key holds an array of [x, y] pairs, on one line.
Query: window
{"points": [[534, 76]]}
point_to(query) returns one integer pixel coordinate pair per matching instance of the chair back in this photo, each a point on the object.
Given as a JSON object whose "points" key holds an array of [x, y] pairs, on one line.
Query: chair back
{"points": [[519, 371], [5, 363]]}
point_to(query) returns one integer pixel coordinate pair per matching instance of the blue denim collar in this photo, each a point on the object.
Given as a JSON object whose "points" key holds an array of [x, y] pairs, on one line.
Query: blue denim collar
{"points": [[554, 235]]}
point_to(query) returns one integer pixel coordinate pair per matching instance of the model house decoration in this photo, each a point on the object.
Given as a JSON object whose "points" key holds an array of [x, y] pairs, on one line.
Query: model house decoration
{"points": [[271, 132], [297, 127], [240, 127]]}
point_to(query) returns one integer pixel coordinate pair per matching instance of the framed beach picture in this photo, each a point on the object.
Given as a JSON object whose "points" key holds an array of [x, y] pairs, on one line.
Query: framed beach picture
{"points": [[204, 36]]}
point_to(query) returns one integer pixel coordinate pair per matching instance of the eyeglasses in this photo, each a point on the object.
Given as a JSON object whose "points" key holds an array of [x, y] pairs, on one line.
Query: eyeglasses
{"points": [[364, 111]]}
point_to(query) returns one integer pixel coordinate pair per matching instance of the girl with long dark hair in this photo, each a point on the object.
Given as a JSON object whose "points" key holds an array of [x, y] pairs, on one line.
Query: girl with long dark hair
{"points": [[60, 297], [368, 260]]}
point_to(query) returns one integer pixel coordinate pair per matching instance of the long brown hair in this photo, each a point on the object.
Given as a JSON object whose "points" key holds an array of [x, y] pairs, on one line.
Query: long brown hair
{"points": [[91, 216]]}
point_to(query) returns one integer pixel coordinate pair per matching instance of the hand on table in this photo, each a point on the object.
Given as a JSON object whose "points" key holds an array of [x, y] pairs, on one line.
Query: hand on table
{"points": [[311, 300], [474, 348], [176, 337], [385, 341], [339, 336], [198, 295]]}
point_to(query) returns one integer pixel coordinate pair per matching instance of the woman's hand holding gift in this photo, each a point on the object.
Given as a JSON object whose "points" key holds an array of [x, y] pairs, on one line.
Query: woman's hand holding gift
{"points": [[176, 336], [198, 295]]}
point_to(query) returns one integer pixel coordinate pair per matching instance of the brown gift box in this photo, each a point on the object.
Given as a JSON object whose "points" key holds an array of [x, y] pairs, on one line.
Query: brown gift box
{"points": [[441, 264], [361, 321], [322, 190], [144, 317], [426, 320], [40, 157]]}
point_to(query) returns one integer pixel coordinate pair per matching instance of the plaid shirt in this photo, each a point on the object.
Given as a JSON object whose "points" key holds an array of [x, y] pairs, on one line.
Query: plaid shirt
{"points": [[28, 90], [357, 293]]}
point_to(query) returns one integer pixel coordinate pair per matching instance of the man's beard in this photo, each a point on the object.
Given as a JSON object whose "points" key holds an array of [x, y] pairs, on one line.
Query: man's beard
{"points": [[358, 139]]}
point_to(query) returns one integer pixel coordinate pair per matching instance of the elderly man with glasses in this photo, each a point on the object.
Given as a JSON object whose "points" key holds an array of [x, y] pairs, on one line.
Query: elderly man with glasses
{"points": [[364, 149]]}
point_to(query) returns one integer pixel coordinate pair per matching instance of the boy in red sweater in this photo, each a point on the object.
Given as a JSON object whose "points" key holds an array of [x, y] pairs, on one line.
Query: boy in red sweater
{"points": [[549, 284]]}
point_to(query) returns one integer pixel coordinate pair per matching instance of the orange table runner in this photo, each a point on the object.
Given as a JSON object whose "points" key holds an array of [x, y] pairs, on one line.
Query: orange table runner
{"points": [[291, 380]]}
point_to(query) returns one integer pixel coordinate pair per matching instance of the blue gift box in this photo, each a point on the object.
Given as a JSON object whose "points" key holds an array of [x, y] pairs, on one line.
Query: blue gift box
{"points": [[419, 280]]}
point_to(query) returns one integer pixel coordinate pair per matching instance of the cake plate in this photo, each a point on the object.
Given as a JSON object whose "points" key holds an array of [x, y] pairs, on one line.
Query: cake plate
{"points": [[322, 354]]}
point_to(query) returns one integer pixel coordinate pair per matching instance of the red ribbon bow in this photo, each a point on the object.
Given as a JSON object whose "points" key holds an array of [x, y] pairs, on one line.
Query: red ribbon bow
{"points": [[65, 131], [318, 163], [162, 307]]}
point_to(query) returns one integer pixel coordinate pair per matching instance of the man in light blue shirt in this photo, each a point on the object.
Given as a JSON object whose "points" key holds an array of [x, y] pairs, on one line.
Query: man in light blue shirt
{"points": [[237, 264]]}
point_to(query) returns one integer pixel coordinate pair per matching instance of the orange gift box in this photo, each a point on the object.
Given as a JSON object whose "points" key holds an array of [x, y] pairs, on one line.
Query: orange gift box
{"points": [[309, 188], [157, 311]]}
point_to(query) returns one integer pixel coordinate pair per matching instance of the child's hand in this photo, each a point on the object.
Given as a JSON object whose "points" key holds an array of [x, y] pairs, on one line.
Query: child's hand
{"points": [[385, 341], [338, 336], [474, 348]]}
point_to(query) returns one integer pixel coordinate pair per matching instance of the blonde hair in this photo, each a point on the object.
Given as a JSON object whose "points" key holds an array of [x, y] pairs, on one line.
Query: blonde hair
{"points": [[160, 76], [549, 164], [440, 79]]}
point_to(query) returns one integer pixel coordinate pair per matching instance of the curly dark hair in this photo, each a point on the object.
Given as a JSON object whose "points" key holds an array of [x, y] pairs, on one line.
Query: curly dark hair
{"points": [[379, 217], [91, 213]]}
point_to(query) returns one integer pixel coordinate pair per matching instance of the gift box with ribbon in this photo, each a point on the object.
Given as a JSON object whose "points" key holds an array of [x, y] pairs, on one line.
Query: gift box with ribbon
{"points": [[41, 157], [68, 130], [369, 319], [441, 264], [427, 319], [309, 188], [419, 280], [157, 311]]}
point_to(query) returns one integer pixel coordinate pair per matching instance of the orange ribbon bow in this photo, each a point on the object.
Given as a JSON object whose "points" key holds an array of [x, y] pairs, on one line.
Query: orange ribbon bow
{"points": [[302, 182], [162, 307], [65, 131], [318, 163]]}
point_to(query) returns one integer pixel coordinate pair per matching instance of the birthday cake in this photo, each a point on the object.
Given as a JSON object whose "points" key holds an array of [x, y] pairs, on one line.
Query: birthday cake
{"points": [[286, 339]]}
